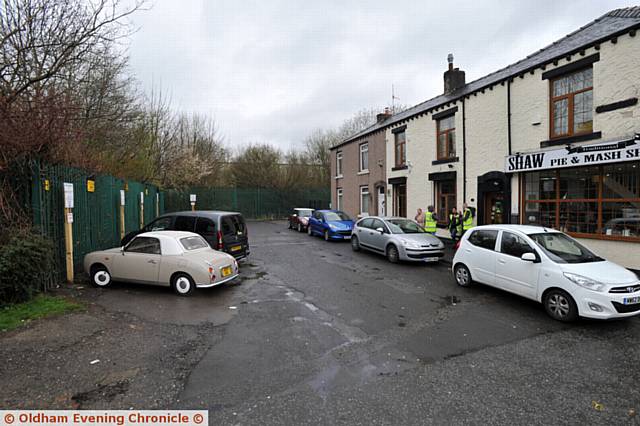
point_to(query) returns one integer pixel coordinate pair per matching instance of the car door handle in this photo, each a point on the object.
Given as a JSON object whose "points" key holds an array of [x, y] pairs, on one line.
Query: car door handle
{"points": [[152, 261], [502, 262], [467, 250]]}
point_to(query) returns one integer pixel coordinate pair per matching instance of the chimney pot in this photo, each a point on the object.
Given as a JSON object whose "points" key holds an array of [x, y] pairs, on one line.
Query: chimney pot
{"points": [[383, 115], [454, 78]]}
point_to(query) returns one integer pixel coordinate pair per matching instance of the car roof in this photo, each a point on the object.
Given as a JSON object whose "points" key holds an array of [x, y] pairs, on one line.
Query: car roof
{"points": [[525, 229], [302, 208], [209, 213], [168, 234]]}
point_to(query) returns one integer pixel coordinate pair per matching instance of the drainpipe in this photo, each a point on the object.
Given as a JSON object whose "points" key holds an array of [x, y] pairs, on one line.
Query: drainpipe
{"points": [[464, 154], [509, 113]]}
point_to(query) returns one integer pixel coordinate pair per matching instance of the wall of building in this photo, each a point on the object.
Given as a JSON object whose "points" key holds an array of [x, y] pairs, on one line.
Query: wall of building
{"points": [[352, 179]]}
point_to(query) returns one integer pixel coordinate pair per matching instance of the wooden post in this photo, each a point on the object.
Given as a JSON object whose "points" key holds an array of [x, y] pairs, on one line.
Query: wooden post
{"points": [[68, 229], [141, 210], [122, 230]]}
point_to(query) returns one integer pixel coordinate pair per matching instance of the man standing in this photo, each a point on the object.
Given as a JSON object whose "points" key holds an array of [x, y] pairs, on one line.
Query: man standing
{"points": [[455, 226], [467, 218], [420, 218], [430, 221]]}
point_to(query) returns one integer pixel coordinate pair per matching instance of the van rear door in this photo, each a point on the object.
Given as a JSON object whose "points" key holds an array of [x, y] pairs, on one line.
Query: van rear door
{"points": [[234, 235]]}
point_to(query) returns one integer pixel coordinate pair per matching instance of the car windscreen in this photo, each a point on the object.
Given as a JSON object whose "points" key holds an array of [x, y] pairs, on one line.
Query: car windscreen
{"points": [[336, 216], [563, 249], [404, 226], [193, 243], [303, 212]]}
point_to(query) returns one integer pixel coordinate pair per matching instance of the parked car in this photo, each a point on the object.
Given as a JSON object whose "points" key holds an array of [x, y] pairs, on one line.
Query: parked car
{"points": [[224, 231], [547, 266], [330, 224], [182, 260], [299, 219], [397, 238]]}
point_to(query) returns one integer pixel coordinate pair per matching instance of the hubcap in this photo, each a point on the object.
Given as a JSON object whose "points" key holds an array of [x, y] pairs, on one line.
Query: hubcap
{"points": [[462, 276], [393, 253], [354, 242], [102, 278], [299, 228], [558, 305], [183, 285]]}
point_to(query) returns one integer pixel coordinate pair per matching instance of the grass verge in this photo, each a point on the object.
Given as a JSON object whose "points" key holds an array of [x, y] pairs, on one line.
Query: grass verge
{"points": [[41, 306]]}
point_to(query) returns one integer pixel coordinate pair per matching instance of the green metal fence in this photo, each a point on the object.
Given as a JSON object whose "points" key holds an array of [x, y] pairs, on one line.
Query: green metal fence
{"points": [[253, 203], [96, 223]]}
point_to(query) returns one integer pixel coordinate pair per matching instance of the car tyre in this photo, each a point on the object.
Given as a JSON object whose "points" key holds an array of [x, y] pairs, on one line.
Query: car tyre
{"points": [[355, 244], [560, 305], [309, 231], [462, 276], [392, 254], [299, 227], [326, 235], [183, 284], [100, 276]]}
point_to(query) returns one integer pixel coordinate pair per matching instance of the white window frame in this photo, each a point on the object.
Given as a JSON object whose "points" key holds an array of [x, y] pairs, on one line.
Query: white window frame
{"points": [[364, 191], [339, 164], [339, 194], [363, 149]]}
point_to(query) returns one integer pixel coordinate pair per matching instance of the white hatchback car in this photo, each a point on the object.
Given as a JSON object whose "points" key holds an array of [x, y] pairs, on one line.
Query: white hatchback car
{"points": [[548, 266]]}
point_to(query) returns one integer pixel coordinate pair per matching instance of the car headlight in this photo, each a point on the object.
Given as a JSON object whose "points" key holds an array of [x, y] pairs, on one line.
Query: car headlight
{"points": [[410, 244], [333, 227], [585, 282]]}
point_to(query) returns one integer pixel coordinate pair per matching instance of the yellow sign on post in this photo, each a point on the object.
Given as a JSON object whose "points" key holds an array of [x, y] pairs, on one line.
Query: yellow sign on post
{"points": [[68, 229], [47, 185], [91, 185]]}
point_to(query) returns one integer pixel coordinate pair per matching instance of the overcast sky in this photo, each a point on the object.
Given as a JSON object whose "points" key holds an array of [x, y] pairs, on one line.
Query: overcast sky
{"points": [[272, 71]]}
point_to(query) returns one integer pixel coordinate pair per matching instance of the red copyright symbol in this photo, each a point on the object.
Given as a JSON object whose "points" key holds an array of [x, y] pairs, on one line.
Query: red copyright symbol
{"points": [[8, 418], [198, 418]]}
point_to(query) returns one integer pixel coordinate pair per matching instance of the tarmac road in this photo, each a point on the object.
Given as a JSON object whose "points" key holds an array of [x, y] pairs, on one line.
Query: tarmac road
{"points": [[314, 333]]}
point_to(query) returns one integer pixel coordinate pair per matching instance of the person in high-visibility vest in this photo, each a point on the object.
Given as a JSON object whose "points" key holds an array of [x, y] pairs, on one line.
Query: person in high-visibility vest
{"points": [[455, 224], [430, 221], [467, 218]]}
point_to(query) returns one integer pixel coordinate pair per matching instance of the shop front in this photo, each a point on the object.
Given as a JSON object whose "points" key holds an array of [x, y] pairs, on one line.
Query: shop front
{"points": [[591, 191]]}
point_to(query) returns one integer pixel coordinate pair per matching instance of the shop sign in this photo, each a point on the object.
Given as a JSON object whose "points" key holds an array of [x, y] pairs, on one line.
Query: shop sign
{"points": [[585, 155]]}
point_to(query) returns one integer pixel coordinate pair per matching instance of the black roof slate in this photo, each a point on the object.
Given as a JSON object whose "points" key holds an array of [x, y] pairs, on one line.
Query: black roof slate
{"points": [[613, 23]]}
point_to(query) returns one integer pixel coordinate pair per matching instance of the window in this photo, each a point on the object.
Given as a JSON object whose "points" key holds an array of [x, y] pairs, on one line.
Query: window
{"points": [[366, 223], [193, 243], [364, 157], [514, 245], [377, 223], [400, 149], [364, 199], [159, 224], [205, 226], [146, 245], [484, 238], [602, 201], [338, 163], [339, 199], [445, 199], [572, 104], [446, 137], [185, 223]]}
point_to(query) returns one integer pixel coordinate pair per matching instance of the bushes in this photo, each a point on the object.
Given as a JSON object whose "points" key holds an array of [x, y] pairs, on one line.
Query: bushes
{"points": [[26, 262]]}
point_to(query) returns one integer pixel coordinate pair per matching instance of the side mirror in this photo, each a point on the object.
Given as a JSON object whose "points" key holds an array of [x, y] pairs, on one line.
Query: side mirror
{"points": [[528, 257], [122, 250], [380, 230], [294, 215]]}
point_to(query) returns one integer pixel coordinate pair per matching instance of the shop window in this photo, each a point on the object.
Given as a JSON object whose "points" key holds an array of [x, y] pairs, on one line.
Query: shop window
{"points": [[445, 199], [446, 138], [572, 104], [601, 202], [400, 149]]}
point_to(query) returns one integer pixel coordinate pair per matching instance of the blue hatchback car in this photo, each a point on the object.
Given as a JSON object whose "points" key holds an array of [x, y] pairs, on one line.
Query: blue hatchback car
{"points": [[331, 224]]}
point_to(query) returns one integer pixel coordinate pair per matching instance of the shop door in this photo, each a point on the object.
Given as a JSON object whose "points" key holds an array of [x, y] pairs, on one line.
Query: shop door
{"points": [[400, 202], [494, 208]]}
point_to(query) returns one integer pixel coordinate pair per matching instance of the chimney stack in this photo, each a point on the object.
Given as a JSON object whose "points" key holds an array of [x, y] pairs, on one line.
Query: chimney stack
{"points": [[383, 115], [453, 77]]}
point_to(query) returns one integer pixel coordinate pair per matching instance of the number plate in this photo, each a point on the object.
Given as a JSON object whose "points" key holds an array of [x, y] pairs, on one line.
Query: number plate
{"points": [[347, 237], [226, 271], [631, 300], [431, 259], [236, 248]]}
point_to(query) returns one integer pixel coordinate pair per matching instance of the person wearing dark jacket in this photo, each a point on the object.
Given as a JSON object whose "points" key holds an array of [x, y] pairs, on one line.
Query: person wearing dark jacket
{"points": [[455, 224]]}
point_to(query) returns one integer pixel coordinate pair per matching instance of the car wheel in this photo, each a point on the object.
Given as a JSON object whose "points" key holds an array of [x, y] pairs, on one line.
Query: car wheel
{"points": [[560, 305], [392, 254], [299, 227], [309, 231], [290, 227], [462, 275], [355, 244], [326, 235], [183, 284], [100, 277]]}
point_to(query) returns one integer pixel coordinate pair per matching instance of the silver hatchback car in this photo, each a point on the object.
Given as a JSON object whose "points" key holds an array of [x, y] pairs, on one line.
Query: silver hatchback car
{"points": [[397, 238]]}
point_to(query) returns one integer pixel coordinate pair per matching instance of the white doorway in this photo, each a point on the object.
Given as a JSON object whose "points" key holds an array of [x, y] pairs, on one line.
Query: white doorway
{"points": [[381, 201]]}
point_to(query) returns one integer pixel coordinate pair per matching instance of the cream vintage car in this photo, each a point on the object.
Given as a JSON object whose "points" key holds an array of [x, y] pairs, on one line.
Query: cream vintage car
{"points": [[182, 260]]}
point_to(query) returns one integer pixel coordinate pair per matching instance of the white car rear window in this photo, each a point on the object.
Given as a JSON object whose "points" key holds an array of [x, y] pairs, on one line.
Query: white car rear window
{"points": [[193, 243]]}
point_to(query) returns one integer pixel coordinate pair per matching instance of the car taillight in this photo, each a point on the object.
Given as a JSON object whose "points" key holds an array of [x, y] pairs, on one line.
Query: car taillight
{"points": [[212, 276], [219, 240]]}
